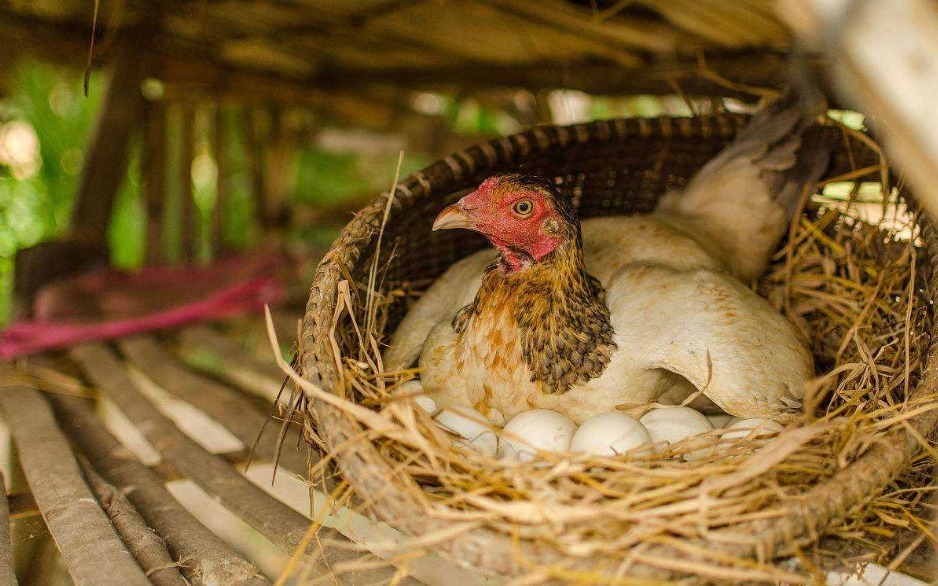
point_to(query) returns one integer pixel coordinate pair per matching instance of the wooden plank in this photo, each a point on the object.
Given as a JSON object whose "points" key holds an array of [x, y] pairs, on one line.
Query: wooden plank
{"points": [[203, 557], [233, 410], [106, 159], [7, 577], [276, 521], [91, 548], [146, 546]]}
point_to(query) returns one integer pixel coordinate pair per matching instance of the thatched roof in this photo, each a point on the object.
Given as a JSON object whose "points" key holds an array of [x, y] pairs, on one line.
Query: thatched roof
{"points": [[246, 47]]}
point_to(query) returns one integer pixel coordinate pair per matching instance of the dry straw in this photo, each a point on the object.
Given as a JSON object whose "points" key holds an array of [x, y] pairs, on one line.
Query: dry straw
{"points": [[855, 290]]}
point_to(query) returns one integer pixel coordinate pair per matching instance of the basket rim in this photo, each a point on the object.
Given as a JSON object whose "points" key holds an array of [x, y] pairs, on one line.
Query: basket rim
{"points": [[490, 551]]}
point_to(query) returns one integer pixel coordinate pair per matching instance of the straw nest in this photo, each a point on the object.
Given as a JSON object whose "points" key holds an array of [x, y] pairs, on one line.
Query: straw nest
{"points": [[855, 464]]}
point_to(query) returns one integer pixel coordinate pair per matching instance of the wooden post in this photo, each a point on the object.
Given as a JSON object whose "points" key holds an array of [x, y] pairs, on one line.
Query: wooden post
{"points": [[188, 235], [279, 168], [102, 175], [121, 111], [254, 153], [221, 183], [153, 168]]}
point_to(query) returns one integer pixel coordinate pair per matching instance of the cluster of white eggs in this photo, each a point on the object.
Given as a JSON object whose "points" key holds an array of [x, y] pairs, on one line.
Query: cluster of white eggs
{"points": [[604, 434]]}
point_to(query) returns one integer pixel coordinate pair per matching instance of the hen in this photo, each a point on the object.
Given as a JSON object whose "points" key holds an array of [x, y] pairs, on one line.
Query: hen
{"points": [[580, 318]]}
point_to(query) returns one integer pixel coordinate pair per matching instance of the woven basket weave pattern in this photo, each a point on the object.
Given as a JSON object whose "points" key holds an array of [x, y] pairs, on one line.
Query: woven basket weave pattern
{"points": [[610, 167]]}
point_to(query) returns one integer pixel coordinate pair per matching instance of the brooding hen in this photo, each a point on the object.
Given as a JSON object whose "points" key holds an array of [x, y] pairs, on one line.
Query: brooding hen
{"points": [[627, 308]]}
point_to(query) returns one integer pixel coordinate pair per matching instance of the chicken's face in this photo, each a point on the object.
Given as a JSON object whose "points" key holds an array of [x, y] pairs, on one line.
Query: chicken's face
{"points": [[524, 218]]}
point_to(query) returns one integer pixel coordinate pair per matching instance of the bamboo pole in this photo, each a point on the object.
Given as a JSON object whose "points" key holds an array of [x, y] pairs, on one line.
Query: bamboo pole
{"points": [[92, 550], [188, 230], [146, 546], [154, 174], [201, 555], [121, 110]]}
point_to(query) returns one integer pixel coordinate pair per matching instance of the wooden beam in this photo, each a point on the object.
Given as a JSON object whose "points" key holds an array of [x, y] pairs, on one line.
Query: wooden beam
{"points": [[121, 111], [202, 556], [627, 34], [203, 77], [717, 76], [340, 91], [343, 91], [883, 56], [58, 41], [90, 547]]}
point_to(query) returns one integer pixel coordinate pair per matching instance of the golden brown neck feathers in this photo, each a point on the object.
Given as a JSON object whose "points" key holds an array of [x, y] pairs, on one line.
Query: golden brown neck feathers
{"points": [[560, 312]]}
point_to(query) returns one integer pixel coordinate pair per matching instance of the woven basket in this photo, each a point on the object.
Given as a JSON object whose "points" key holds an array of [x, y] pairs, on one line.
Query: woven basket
{"points": [[612, 167]]}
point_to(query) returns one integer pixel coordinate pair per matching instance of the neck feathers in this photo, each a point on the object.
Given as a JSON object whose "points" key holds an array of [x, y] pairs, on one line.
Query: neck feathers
{"points": [[560, 312]]}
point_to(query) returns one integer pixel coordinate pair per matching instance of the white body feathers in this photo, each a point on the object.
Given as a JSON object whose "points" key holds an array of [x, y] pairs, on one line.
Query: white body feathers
{"points": [[681, 314]]}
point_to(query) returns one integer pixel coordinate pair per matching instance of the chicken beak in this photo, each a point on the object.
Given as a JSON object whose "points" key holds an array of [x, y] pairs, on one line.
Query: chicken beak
{"points": [[454, 216]]}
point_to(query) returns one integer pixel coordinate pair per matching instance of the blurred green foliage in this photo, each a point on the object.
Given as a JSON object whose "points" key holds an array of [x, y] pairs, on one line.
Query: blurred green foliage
{"points": [[36, 201], [327, 178], [37, 206]]}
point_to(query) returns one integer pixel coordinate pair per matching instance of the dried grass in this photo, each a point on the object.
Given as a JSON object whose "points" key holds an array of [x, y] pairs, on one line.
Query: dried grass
{"points": [[853, 289]]}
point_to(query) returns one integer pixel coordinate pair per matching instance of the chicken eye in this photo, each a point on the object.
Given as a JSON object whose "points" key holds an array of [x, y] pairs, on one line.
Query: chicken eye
{"points": [[523, 207]]}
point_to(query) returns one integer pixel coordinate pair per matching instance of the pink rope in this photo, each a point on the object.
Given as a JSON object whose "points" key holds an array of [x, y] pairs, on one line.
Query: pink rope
{"points": [[32, 337]]}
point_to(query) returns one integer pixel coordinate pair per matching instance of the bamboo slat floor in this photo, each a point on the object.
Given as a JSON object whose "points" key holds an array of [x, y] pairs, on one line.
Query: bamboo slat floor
{"points": [[135, 474], [273, 519], [93, 551], [203, 557], [236, 412]]}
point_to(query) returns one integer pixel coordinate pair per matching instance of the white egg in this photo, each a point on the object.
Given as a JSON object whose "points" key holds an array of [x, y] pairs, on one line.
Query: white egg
{"points": [[413, 389], [673, 424], [470, 425], [609, 434], [751, 428], [534, 430], [720, 420]]}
